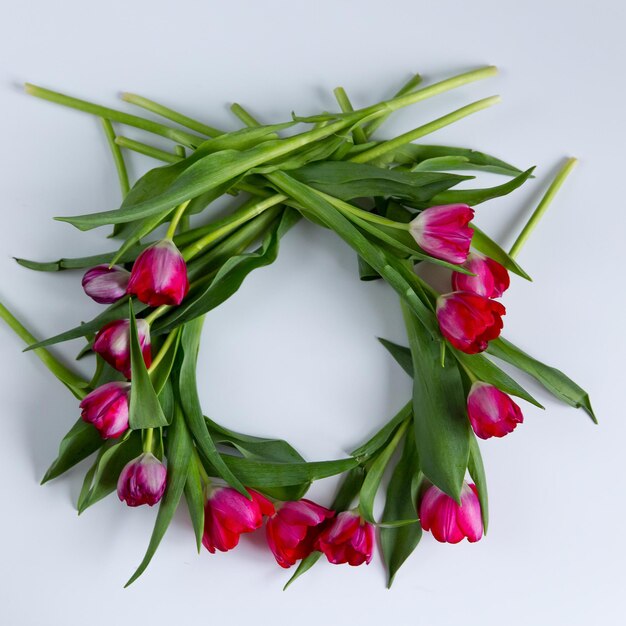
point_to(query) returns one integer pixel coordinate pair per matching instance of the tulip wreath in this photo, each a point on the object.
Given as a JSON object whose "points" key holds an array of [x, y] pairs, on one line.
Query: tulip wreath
{"points": [[398, 205]]}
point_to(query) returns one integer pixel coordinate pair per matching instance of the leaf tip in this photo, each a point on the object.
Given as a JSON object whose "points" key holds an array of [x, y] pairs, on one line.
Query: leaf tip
{"points": [[589, 410]]}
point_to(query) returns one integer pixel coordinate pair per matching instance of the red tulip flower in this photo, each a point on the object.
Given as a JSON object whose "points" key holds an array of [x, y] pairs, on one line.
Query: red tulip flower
{"points": [[443, 231], [142, 481], [448, 521], [292, 531], [469, 321], [107, 409], [492, 412], [112, 343], [159, 275], [348, 538], [491, 279], [106, 284], [228, 514]]}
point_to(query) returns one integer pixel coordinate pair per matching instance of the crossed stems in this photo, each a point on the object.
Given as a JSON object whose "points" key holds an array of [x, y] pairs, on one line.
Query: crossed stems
{"points": [[369, 119]]}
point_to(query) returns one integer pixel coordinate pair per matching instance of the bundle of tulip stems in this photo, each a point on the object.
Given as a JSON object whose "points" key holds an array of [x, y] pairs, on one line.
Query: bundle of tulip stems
{"points": [[396, 203]]}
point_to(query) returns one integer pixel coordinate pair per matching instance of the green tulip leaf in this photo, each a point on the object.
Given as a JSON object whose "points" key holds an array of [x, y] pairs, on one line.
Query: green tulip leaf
{"points": [[80, 442], [144, 407], [439, 412], [178, 452], [398, 541]]}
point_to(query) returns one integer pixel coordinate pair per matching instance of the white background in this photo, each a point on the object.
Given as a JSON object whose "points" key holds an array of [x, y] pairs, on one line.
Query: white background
{"points": [[294, 352]]}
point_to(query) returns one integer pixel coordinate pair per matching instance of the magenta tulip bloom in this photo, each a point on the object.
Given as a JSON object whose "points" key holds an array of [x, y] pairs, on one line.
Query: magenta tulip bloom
{"points": [[347, 539], [142, 481], [112, 343], [492, 412], [107, 409], [491, 279], [448, 521], [292, 531], [443, 231], [228, 514], [159, 275], [469, 321], [106, 284]]}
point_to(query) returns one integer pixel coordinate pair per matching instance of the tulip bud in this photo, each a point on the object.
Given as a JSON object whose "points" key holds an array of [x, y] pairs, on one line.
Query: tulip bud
{"points": [[492, 412], [106, 284], [491, 279], [292, 531], [443, 231], [469, 321], [159, 275], [142, 481], [348, 538], [228, 514], [448, 521], [112, 343], [107, 409]]}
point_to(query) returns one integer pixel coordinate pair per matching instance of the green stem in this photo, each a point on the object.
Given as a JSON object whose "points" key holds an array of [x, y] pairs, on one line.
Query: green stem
{"points": [[171, 230], [407, 99], [348, 209], [64, 374], [171, 338], [542, 207], [118, 158], [180, 136], [148, 439], [170, 114], [233, 222], [244, 116], [388, 146], [358, 134], [406, 88], [238, 241], [144, 148], [157, 313]]}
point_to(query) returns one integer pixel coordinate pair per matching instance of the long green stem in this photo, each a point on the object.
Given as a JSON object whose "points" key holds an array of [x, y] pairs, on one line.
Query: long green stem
{"points": [[542, 207], [171, 338], [170, 114], [175, 219], [402, 101], [180, 136], [157, 313], [118, 159], [406, 88], [244, 115], [144, 148], [63, 373], [358, 134], [388, 146], [347, 208], [246, 215]]}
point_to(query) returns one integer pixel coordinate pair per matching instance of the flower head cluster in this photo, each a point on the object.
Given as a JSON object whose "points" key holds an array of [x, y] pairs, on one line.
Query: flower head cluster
{"points": [[158, 277], [469, 317], [294, 529]]}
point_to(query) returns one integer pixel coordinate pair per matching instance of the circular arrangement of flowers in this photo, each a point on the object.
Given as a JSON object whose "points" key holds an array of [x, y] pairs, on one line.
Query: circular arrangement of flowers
{"points": [[397, 204]]}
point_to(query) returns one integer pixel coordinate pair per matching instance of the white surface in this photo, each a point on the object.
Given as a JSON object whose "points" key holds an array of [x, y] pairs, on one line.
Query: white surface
{"points": [[294, 352]]}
